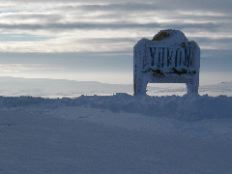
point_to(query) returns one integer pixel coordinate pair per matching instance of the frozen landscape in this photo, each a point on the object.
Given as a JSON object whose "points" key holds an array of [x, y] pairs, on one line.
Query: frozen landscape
{"points": [[116, 134], [66, 126], [99, 87], [51, 88]]}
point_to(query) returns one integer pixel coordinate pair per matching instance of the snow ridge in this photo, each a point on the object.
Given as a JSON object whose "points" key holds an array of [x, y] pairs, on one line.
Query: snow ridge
{"points": [[182, 108]]}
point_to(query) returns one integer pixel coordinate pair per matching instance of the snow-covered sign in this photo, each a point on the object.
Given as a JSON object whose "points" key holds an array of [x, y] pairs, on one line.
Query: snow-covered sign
{"points": [[168, 58]]}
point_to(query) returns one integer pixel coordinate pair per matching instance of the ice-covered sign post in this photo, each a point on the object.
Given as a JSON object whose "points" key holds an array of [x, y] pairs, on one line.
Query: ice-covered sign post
{"points": [[168, 58]]}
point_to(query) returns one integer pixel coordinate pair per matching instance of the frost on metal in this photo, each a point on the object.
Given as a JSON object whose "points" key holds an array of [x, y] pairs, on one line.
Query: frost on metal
{"points": [[168, 58]]}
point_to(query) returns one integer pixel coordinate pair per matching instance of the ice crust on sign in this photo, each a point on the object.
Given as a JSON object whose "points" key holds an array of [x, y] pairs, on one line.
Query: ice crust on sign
{"points": [[170, 36]]}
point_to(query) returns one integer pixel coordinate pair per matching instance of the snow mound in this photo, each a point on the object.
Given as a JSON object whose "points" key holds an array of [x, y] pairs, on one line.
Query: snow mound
{"points": [[173, 36], [175, 107]]}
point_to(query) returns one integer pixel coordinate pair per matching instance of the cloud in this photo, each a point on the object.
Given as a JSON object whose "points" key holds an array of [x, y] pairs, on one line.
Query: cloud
{"points": [[216, 5], [103, 25], [109, 26]]}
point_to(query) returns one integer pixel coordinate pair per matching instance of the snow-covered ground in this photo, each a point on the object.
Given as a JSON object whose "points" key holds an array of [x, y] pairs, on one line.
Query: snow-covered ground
{"points": [[117, 134]]}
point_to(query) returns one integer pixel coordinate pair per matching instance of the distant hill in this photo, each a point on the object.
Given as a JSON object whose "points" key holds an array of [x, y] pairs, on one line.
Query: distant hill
{"points": [[57, 88], [10, 86]]}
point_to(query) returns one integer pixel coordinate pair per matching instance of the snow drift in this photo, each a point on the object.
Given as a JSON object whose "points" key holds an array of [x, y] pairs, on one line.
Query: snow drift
{"points": [[116, 134], [185, 108]]}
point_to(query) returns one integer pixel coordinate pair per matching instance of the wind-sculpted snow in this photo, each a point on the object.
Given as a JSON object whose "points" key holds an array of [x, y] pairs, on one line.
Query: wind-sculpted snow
{"points": [[116, 134], [176, 107]]}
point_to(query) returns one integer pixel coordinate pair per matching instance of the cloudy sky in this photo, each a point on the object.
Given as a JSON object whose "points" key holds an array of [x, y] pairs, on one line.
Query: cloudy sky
{"points": [[70, 38]]}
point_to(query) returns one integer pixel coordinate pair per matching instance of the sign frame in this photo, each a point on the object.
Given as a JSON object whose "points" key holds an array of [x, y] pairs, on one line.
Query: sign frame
{"points": [[146, 70]]}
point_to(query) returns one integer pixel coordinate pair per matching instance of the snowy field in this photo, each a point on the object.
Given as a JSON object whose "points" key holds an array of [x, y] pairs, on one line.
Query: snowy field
{"points": [[51, 88], [117, 134]]}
